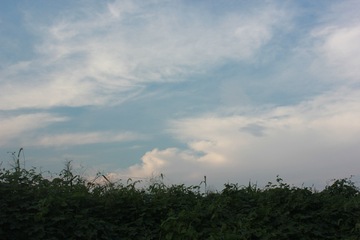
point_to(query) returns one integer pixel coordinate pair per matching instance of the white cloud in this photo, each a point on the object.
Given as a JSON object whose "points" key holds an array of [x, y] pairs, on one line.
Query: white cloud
{"points": [[22, 130], [106, 55], [119, 8], [339, 52], [170, 161], [334, 43], [13, 127], [312, 142], [71, 139]]}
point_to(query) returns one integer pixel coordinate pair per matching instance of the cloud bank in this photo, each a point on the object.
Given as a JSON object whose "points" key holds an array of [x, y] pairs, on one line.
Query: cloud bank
{"points": [[305, 143]]}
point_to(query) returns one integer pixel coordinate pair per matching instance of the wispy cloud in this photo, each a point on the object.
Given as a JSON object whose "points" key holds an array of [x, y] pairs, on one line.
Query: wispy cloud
{"points": [[107, 55], [12, 127], [339, 51], [332, 43], [72, 139], [24, 131]]}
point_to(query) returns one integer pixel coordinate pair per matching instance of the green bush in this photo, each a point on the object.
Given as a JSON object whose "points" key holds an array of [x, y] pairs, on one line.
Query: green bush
{"points": [[69, 207]]}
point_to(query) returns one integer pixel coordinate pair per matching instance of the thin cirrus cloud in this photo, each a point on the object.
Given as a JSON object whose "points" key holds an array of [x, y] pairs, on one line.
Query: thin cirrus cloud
{"points": [[340, 50], [333, 43], [12, 127], [71, 139], [108, 55], [22, 129]]}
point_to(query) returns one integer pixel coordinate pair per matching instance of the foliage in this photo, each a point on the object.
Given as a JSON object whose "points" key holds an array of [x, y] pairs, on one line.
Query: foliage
{"points": [[69, 207]]}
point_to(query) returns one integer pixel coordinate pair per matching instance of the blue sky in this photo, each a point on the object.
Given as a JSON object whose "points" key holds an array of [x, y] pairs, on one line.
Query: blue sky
{"points": [[234, 90]]}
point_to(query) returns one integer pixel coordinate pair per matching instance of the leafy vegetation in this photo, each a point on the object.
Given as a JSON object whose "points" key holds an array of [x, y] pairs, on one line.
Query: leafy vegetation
{"points": [[70, 207]]}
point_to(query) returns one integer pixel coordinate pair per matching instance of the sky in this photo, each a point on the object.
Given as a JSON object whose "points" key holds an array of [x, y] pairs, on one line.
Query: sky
{"points": [[236, 91]]}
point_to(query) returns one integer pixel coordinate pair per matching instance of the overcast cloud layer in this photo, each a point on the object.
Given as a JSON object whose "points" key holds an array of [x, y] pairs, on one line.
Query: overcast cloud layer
{"points": [[236, 91]]}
